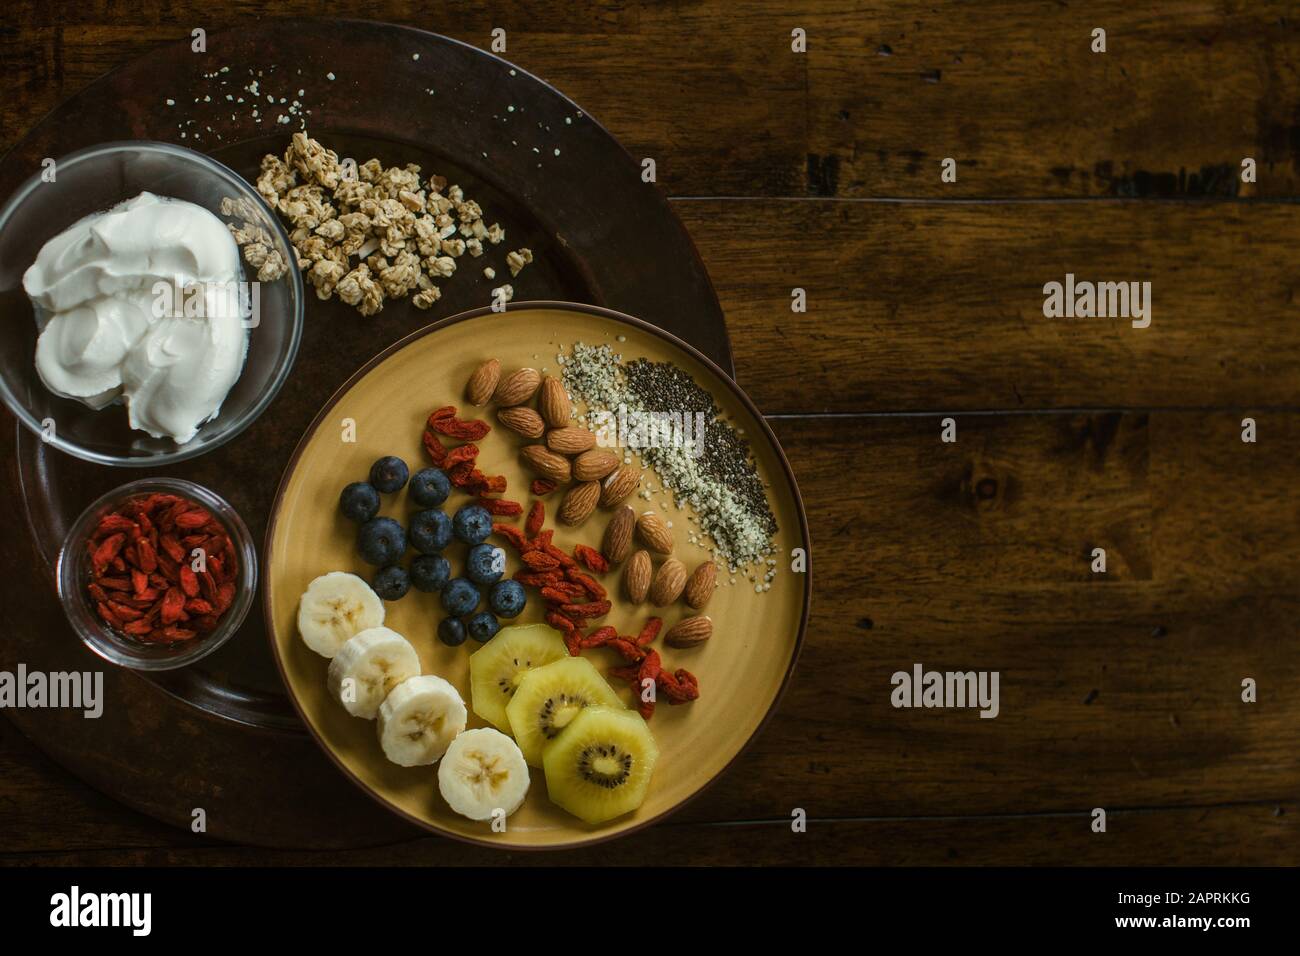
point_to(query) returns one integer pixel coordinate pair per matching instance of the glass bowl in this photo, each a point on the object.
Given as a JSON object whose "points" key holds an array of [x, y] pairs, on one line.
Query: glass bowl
{"points": [[73, 576], [90, 181]]}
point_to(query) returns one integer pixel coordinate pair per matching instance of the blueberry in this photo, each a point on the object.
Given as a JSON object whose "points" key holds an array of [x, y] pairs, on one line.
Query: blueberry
{"points": [[430, 487], [483, 626], [460, 597], [430, 531], [451, 632], [507, 599], [381, 541], [430, 572], [391, 583], [472, 524], [359, 501], [388, 474], [485, 564]]}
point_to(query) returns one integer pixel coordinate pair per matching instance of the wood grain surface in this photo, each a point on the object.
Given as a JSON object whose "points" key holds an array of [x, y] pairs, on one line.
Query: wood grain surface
{"points": [[821, 171]]}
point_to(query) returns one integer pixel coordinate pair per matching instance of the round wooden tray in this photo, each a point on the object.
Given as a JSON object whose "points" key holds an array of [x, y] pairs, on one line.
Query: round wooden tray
{"points": [[222, 735]]}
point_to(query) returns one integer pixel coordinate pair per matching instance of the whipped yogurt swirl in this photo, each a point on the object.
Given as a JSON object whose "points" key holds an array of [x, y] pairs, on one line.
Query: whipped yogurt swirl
{"points": [[140, 304]]}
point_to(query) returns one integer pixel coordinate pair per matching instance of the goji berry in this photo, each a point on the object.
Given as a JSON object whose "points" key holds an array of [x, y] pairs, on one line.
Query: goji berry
{"points": [[193, 519], [113, 522], [680, 687], [491, 485], [562, 595], [172, 547], [536, 518], [538, 579], [599, 637], [462, 453], [173, 605], [502, 507], [590, 609], [511, 534], [125, 612], [540, 561], [148, 558], [542, 486], [433, 448], [555, 552], [650, 631], [454, 427], [107, 551], [593, 559], [587, 582]]}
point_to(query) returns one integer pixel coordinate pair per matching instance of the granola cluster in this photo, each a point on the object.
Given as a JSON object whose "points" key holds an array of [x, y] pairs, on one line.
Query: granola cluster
{"points": [[254, 239], [382, 233]]}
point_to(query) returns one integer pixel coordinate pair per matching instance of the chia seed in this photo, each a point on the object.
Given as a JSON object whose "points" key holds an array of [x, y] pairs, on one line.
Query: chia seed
{"points": [[721, 483]]}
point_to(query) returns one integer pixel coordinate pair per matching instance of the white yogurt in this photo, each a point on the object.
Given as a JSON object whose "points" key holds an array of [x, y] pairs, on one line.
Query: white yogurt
{"points": [[114, 323]]}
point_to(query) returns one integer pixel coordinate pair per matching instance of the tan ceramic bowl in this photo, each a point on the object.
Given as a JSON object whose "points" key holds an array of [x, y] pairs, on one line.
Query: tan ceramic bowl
{"points": [[742, 670]]}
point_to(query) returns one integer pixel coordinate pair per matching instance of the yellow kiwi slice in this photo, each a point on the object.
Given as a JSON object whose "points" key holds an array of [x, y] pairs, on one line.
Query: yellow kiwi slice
{"points": [[600, 766], [549, 697], [497, 667]]}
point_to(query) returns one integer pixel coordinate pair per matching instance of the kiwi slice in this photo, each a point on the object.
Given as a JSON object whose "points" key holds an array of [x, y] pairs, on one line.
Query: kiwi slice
{"points": [[599, 768], [496, 668], [549, 697]]}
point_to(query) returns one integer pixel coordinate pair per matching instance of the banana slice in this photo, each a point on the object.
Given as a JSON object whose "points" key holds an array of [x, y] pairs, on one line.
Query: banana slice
{"points": [[419, 719], [483, 772], [333, 608], [368, 667]]}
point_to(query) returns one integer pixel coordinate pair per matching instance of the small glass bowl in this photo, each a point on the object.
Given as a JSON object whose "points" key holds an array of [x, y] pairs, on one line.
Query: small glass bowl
{"points": [[73, 576], [93, 180]]}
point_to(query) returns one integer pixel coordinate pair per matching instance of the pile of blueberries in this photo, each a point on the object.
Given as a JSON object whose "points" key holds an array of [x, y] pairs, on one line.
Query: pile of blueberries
{"points": [[383, 542]]}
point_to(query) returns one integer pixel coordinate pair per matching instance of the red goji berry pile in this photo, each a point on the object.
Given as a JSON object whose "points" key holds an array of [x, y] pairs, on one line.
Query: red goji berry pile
{"points": [[142, 575], [573, 597], [459, 460]]}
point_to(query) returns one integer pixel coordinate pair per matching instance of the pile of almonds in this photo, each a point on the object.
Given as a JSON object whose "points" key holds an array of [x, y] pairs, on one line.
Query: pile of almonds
{"points": [[566, 454], [563, 454], [666, 585]]}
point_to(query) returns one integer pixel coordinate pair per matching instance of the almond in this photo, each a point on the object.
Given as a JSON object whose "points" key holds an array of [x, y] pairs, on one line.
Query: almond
{"points": [[656, 534], [483, 382], [636, 576], [619, 485], [618, 536], [668, 583], [579, 502], [594, 464], [689, 631], [546, 462], [699, 586], [517, 387], [570, 440], [555, 405], [522, 420]]}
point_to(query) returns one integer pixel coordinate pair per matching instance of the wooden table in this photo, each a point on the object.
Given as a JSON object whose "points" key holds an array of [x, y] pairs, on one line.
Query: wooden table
{"points": [[821, 170]]}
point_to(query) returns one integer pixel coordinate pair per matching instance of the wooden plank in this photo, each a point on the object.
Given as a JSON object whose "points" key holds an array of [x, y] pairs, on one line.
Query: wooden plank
{"points": [[1120, 689], [714, 93], [917, 306], [1258, 834]]}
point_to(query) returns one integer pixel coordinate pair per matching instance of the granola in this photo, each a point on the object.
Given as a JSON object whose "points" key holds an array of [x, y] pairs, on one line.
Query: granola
{"points": [[368, 233]]}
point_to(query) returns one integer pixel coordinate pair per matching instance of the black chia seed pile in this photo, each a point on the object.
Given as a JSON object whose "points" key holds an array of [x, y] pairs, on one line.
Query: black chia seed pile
{"points": [[720, 483]]}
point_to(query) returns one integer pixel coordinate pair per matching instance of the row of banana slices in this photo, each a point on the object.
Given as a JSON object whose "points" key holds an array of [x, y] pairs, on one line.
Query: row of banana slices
{"points": [[374, 673]]}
